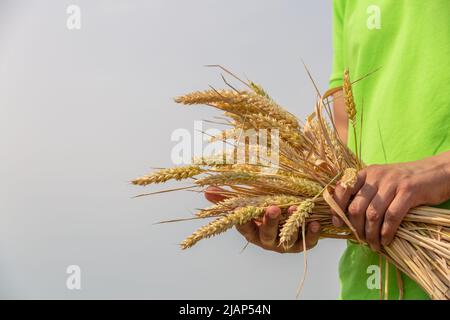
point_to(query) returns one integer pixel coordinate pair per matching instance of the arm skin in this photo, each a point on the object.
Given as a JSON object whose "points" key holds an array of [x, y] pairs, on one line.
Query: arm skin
{"points": [[340, 115], [384, 194]]}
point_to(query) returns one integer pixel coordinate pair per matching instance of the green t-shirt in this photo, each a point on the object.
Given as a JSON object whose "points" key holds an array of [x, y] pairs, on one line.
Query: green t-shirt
{"points": [[406, 102]]}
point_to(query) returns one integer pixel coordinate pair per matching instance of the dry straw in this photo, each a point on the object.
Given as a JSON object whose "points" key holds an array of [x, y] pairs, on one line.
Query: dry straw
{"points": [[312, 159]]}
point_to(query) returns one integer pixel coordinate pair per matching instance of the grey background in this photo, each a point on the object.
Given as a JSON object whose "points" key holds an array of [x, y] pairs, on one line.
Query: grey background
{"points": [[82, 112]]}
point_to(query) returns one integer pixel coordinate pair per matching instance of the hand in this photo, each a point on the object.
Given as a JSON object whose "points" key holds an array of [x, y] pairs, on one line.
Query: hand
{"points": [[265, 234], [384, 194]]}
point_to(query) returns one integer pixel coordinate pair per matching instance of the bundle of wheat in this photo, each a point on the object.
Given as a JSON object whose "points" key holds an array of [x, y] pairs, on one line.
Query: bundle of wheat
{"points": [[311, 161]]}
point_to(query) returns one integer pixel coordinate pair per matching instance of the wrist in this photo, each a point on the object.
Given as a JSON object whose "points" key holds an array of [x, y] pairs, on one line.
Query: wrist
{"points": [[441, 166], [433, 174]]}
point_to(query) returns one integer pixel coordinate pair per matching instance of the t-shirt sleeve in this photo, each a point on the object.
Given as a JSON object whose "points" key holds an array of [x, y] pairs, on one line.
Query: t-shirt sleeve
{"points": [[337, 72]]}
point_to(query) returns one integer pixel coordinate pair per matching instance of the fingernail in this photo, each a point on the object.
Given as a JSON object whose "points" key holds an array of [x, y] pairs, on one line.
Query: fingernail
{"points": [[273, 215], [315, 227]]}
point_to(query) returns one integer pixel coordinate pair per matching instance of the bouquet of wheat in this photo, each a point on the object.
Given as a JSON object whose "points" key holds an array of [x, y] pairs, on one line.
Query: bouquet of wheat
{"points": [[311, 161]]}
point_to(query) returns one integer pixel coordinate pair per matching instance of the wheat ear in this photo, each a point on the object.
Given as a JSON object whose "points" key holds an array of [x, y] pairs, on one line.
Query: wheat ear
{"points": [[295, 220], [350, 107], [349, 178], [238, 216], [164, 175]]}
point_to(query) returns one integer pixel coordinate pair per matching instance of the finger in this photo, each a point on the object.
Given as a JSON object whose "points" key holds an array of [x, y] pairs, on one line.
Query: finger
{"points": [[311, 237], [342, 197], [268, 231], [250, 231], [360, 181], [214, 194], [375, 215], [395, 213], [358, 207]]}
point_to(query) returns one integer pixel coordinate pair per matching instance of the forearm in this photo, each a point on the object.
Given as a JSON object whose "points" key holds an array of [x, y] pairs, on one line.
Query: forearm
{"points": [[437, 166], [440, 162], [445, 157], [340, 115]]}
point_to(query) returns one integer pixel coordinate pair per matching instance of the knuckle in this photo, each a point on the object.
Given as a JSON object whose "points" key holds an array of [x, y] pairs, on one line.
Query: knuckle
{"points": [[372, 214], [354, 209]]}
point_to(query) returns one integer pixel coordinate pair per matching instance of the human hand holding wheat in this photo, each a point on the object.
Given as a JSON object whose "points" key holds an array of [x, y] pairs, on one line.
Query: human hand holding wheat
{"points": [[311, 160], [384, 194], [265, 232]]}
